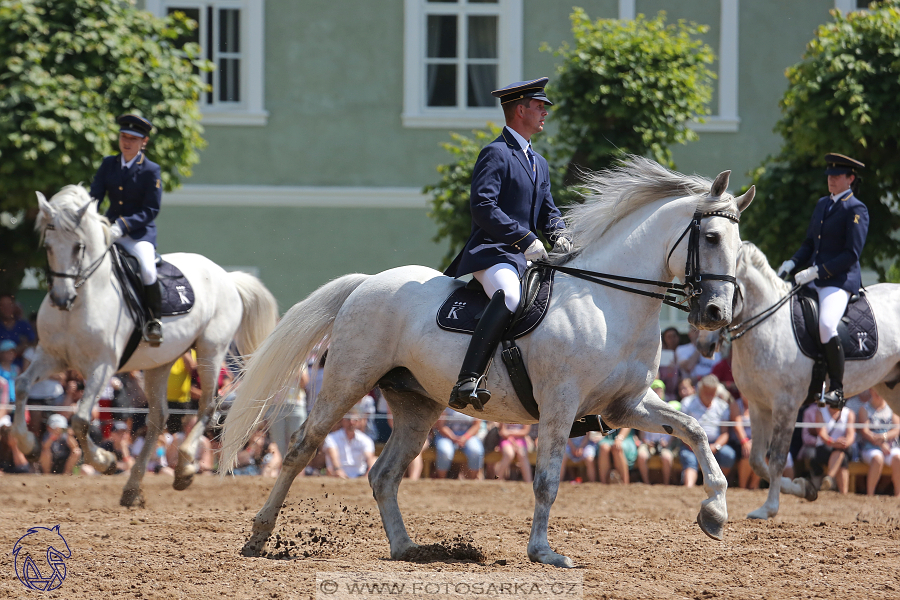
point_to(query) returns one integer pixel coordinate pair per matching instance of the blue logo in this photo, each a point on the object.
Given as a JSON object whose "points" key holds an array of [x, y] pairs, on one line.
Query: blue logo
{"points": [[40, 558]]}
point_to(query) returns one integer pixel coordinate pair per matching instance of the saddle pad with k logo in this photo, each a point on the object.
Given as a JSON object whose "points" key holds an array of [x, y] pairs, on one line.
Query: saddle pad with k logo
{"points": [[462, 309], [177, 293], [857, 330]]}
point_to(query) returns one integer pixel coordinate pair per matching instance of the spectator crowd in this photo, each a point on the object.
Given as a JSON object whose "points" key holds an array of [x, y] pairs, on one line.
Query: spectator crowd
{"points": [[459, 445]]}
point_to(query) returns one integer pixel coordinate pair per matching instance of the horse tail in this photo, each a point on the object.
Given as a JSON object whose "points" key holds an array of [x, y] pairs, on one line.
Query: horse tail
{"points": [[271, 368], [260, 312]]}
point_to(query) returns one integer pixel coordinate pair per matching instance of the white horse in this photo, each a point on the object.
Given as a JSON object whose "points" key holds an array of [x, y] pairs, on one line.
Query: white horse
{"points": [[88, 331], [596, 351], [773, 374]]}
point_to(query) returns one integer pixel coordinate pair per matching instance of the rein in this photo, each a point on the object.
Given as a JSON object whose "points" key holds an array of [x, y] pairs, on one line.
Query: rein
{"points": [[674, 294], [81, 276], [745, 326]]}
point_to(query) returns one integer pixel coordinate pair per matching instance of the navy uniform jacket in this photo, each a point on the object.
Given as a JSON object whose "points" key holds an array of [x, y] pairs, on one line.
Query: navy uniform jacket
{"points": [[507, 208], [135, 195], [835, 242]]}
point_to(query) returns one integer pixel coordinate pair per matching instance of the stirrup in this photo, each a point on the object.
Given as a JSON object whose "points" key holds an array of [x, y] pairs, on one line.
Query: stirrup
{"points": [[154, 338], [834, 399], [467, 391]]}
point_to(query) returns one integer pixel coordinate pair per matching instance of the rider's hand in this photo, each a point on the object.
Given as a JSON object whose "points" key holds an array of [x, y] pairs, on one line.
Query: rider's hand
{"points": [[115, 232], [563, 245], [536, 251], [807, 275], [785, 268]]}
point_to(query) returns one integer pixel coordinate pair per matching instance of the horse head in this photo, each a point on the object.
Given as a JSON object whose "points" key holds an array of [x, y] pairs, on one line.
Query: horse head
{"points": [[74, 236], [712, 255]]}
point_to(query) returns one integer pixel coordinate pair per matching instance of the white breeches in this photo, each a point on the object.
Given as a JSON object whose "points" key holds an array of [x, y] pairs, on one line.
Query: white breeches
{"points": [[501, 277], [832, 304], [145, 252]]}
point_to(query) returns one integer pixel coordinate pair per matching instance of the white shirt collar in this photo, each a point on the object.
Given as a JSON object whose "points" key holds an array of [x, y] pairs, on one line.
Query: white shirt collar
{"points": [[523, 143], [130, 162], [841, 195]]}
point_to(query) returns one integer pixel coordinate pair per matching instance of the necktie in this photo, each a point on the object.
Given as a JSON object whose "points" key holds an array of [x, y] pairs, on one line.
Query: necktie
{"points": [[530, 154]]}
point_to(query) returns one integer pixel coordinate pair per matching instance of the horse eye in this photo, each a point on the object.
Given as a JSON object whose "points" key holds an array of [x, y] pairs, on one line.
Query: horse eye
{"points": [[712, 238]]}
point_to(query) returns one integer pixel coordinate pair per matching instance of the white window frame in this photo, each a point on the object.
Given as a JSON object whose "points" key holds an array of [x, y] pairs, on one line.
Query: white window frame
{"points": [[416, 113], [251, 109], [727, 119]]}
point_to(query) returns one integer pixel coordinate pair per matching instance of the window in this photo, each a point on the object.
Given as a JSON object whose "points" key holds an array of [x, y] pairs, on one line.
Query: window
{"points": [[456, 53], [230, 34]]}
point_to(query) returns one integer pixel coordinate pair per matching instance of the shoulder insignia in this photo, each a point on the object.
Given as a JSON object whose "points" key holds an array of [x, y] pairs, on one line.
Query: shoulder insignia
{"points": [[855, 219], [157, 187]]}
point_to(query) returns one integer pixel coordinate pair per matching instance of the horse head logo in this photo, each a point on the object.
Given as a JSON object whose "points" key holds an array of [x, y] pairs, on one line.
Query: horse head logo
{"points": [[42, 544]]}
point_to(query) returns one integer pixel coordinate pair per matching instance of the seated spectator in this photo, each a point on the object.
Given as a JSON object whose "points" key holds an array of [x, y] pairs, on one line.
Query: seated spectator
{"points": [[740, 441], [691, 362], [456, 430], [350, 453], [618, 452], [8, 369], [4, 397], [835, 440], [685, 388], [656, 444], [158, 462], [182, 393], [11, 458], [668, 364], [59, 449], [12, 326], [879, 444], [119, 443], [515, 445], [580, 450], [709, 408]]}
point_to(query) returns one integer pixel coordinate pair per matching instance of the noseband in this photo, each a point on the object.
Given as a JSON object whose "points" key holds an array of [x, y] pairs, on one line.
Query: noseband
{"points": [[81, 275], [674, 294]]}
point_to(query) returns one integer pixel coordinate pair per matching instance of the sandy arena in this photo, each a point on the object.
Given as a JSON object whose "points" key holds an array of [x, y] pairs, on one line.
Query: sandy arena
{"points": [[631, 542]]}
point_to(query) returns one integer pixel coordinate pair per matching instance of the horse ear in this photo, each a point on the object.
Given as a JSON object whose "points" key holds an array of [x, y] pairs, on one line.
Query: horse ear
{"points": [[44, 205], [80, 214], [746, 198], [720, 184]]}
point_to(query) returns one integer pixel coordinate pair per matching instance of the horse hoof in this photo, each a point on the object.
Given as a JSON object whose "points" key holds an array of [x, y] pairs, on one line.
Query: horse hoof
{"points": [[183, 483], [549, 557], [132, 499], [254, 546], [810, 492], [712, 523], [760, 514]]}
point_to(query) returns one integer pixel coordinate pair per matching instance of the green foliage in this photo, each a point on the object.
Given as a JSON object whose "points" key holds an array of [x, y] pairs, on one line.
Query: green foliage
{"points": [[841, 98], [67, 69], [629, 87]]}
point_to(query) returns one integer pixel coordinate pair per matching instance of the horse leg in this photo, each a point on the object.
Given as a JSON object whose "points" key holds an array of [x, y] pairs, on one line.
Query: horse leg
{"points": [[41, 367], [554, 433], [304, 444], [155, 382], [777, 431], [209, 361], [100, 459], [414, 416], [654, 415]]}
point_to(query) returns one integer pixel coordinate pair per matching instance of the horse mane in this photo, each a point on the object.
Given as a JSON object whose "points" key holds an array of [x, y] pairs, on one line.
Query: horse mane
{"points": [[65, 205], [612, 194], [749, 253]]}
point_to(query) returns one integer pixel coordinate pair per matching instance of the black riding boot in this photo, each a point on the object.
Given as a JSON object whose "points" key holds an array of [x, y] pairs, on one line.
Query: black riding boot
{"points": [[493, 324], [153, 326], [834, 356]]}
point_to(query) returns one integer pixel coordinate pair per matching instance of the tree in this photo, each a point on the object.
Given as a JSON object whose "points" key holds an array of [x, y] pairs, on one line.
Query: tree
{"points": [[841, 97], [629, 87], [625, 87], [67, 69]]}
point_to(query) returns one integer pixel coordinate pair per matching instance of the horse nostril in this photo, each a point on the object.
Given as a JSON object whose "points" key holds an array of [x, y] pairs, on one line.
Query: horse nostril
{"points": [[714, 312]]}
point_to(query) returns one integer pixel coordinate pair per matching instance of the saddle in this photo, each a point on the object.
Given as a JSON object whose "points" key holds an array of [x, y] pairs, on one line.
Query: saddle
{"points": [[465, 305], [857, 331], [463, 308], [176, 291]]}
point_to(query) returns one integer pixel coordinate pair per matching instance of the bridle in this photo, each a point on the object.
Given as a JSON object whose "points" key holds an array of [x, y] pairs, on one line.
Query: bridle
{"points": [[735, 332], [81, 276], [674, 294]]}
